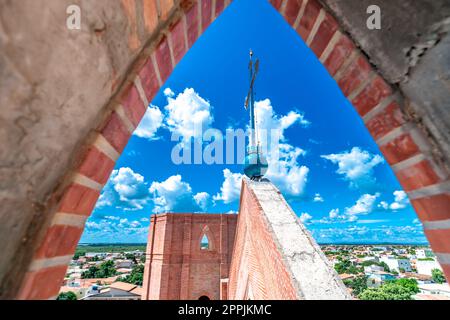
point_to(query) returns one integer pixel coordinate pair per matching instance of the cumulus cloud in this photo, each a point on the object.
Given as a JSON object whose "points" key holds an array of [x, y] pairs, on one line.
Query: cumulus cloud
{"points": [[231, 187], [168, 92], [334, 213], [318, 198], [378, 234], [125, 190], [188, 115], [173, 195], [284, 169], [305, 217], [114, 230], [356, 166], [150, 123], [202, 199], [400, 201], [364, 205]]}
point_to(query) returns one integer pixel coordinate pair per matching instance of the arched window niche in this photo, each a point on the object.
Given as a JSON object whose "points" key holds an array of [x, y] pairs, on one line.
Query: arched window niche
{"points": [[206, 243]]}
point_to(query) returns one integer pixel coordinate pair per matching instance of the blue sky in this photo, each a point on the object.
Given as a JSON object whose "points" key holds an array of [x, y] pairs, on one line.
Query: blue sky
{"points": [[330, 170]]}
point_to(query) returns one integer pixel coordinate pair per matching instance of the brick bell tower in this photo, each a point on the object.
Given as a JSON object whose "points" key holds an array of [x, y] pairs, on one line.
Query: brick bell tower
{"points": [[188, 256]]}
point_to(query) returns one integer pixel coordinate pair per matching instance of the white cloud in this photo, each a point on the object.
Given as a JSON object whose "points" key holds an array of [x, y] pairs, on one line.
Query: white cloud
{"points": [[188, 115], [168, 92], [125, 190], [334, 213], [305, 217], [112, 217], [364, 205], [150, 123], [383, 204], [356, 166], [130, 187], [400, 200], [145, 220], [284, 170], [202, 199], [231, 187], [286, 173], [173, 195], [318, 198]]}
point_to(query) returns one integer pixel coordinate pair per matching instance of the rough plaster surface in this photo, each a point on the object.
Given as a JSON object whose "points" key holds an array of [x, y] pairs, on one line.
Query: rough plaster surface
{"points": [[311, 271], [411, 50], [54, 84]]}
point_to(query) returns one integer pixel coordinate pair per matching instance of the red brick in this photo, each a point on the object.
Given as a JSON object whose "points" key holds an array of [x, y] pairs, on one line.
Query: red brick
{"points": [[220, 5], [133, 104], [163, 60], [432, 208], [276, 4], [291, 11], [372, 95], [206, 13], [417, 176], [310, 14], [149, 80], [192, 24], [446, 269], [341, 51], [178, 43], [439, 240], [387, 120], [324, 34], [166, 6], [78, 199], [150, 15], [356, 73], [399, 149], [129, 7], [42, 284], [96, 165], [115, 132], [60, 240]]}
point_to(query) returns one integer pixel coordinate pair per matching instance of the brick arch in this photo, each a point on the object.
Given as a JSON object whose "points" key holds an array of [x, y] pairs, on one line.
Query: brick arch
{"points": [[178, 24]]}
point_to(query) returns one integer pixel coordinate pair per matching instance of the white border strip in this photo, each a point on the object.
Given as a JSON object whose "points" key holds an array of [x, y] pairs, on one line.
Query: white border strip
{"points": [[50, 262], [429, 191], [436, 225]]}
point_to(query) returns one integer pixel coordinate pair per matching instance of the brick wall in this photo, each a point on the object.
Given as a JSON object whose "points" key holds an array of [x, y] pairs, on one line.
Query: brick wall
{"points": [[176, 267], [274, 256]]}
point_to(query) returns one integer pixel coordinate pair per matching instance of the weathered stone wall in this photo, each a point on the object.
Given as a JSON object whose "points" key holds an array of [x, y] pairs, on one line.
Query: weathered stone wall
{"points": [[274, 256], [176, 267]]}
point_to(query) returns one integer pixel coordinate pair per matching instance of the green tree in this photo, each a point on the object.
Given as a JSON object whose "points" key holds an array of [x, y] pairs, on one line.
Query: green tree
{"points": [[105, 270], [437, 276], [402, 289], [136, 276], [358, 284], [69, 295]]}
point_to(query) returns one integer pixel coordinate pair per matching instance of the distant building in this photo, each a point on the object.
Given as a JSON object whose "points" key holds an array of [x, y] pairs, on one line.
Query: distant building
{"points": [[372, 269], [116, 291], [435, 288], [426, 266], [424, 253], [123, 264], [397, 264], [377, 279]]}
